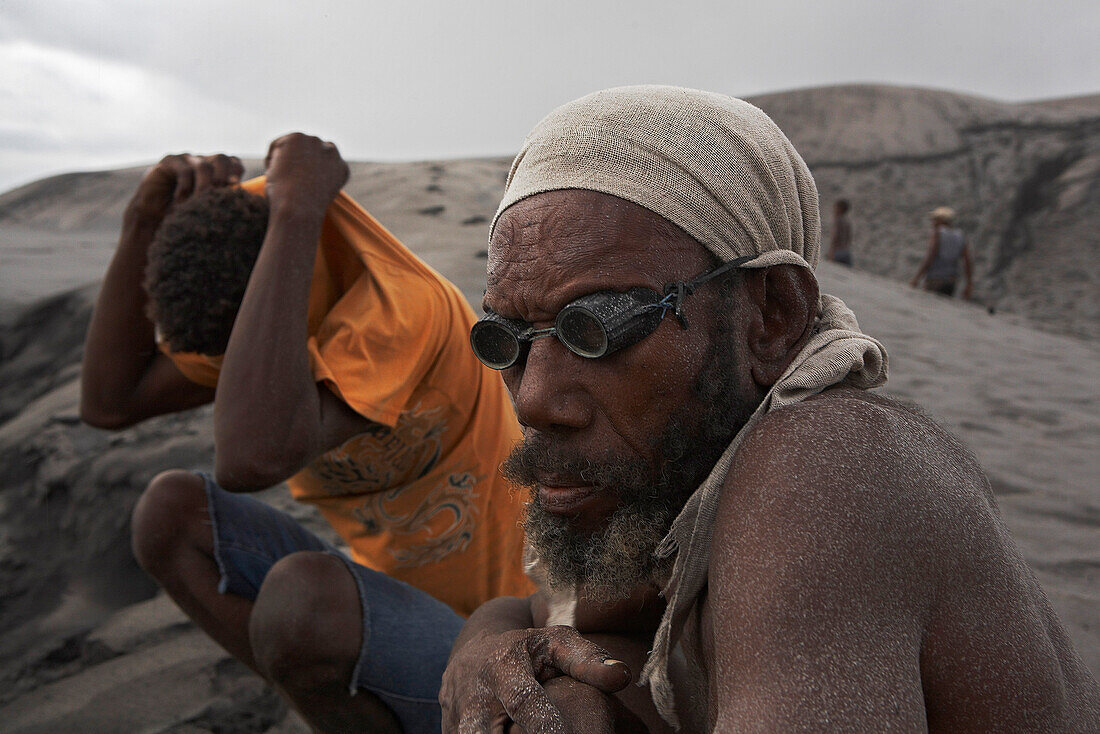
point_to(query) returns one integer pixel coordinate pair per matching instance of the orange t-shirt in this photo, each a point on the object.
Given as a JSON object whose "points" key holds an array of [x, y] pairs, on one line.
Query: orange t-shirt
{"points": [[420, 498]]}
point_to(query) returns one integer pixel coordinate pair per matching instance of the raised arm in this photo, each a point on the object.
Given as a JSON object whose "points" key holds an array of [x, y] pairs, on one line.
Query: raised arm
{"points": [[270, 417], [124, 378]]}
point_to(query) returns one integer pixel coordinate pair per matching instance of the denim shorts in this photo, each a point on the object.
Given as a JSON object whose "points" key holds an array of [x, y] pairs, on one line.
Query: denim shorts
{"points": [[407, 633]]}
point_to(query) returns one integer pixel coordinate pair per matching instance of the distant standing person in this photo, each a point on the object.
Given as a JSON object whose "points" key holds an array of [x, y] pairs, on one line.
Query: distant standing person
{"points": [[840, 243], [946, 248]]}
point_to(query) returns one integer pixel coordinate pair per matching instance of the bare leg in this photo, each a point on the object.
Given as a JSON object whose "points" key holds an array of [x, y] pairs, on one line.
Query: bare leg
{"points": [[306, 631], [308, 627], [173, 542]]}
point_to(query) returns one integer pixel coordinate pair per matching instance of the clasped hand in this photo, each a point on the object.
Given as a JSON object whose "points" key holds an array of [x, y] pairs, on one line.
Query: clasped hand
{"points": [[547, 680]]}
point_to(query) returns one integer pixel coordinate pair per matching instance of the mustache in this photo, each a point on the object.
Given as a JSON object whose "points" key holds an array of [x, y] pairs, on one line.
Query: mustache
{"points": [[540, 455]]}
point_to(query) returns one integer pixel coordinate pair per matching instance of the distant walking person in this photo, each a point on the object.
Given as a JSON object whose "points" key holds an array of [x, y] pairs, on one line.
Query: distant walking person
{"points": [[840, 243], [946, 248]]}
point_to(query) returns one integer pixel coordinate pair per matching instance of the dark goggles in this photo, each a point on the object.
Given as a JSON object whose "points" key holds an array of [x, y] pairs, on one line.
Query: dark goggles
{"points": [[592, 326]]}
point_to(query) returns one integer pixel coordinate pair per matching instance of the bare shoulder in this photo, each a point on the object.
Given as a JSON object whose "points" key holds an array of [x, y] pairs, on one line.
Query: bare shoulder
{"points": [[849, 420], [855, 527], [848, 449], [825, 546], [854, 503]]}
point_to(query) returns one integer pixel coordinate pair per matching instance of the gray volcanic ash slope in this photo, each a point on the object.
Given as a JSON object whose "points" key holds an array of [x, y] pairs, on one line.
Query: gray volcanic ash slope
{"points": [[1025, 179], [81, 651]]}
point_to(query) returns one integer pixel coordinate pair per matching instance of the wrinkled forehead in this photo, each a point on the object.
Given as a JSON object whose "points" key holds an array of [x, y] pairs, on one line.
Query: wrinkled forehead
{"points": [[589, 240]]}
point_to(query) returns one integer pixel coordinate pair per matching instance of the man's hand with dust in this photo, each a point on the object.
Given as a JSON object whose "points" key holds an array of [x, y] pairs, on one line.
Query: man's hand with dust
{"points": [[522, 676]]}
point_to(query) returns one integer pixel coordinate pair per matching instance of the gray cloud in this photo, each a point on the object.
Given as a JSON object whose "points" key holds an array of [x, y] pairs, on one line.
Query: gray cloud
{"points": [[440, 78]]}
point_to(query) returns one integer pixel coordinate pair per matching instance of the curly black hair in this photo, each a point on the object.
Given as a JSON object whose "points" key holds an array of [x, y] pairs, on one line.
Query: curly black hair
{"points": [[198, 267]]}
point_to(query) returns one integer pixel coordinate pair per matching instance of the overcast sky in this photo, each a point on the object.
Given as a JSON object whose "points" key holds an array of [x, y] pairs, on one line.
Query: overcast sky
{"points": [[88, 84]]}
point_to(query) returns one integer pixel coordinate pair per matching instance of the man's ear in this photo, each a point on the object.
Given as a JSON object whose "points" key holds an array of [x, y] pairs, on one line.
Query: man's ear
{"points": [[785, 303]]}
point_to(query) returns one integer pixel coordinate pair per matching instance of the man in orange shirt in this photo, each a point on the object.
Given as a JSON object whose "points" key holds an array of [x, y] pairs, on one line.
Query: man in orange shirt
{"points": [[337, 361]]}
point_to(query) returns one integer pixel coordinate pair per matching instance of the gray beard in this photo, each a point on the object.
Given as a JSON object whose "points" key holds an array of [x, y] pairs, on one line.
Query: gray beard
{"points": [[611, 563]]}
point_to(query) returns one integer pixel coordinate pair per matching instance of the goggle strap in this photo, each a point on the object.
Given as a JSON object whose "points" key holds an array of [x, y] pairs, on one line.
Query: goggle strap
{"points": [[724, 268], [675, 293], [533, 333]]}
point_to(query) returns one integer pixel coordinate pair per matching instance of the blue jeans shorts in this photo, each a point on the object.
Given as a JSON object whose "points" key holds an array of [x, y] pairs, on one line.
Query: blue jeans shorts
{"points": [[407, 633]]}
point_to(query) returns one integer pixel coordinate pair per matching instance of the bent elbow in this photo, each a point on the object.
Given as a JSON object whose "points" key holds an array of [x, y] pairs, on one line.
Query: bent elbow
{"points": [[249, 456], [109, 420], [237, 472], [234, 479]]}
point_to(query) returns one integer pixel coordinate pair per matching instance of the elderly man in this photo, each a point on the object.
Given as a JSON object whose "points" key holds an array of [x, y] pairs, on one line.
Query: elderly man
{"points": [[697, 419]]}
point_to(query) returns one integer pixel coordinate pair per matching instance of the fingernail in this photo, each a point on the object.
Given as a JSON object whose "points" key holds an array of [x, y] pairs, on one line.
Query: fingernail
{"points": [[613, 661]]}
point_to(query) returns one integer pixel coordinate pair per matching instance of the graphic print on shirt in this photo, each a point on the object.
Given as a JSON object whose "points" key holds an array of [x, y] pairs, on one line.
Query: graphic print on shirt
{"points": [[444, 520], [429, 517], [383, 458]]}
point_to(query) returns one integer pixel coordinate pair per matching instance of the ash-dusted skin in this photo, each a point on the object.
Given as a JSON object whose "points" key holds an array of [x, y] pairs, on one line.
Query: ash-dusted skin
{"points": [[861, 578]]}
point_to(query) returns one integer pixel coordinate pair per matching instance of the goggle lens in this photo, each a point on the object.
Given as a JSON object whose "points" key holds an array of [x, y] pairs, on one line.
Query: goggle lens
{"points": [[495, 342], [582, 333]]}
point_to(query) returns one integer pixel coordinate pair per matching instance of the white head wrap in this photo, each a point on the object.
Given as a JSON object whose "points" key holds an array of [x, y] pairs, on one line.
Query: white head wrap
{"points": [[716, 166], [720, 169]]}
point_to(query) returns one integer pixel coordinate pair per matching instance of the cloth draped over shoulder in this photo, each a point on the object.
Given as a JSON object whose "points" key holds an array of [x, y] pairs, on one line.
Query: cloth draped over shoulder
{"points": [[721, 170]]}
